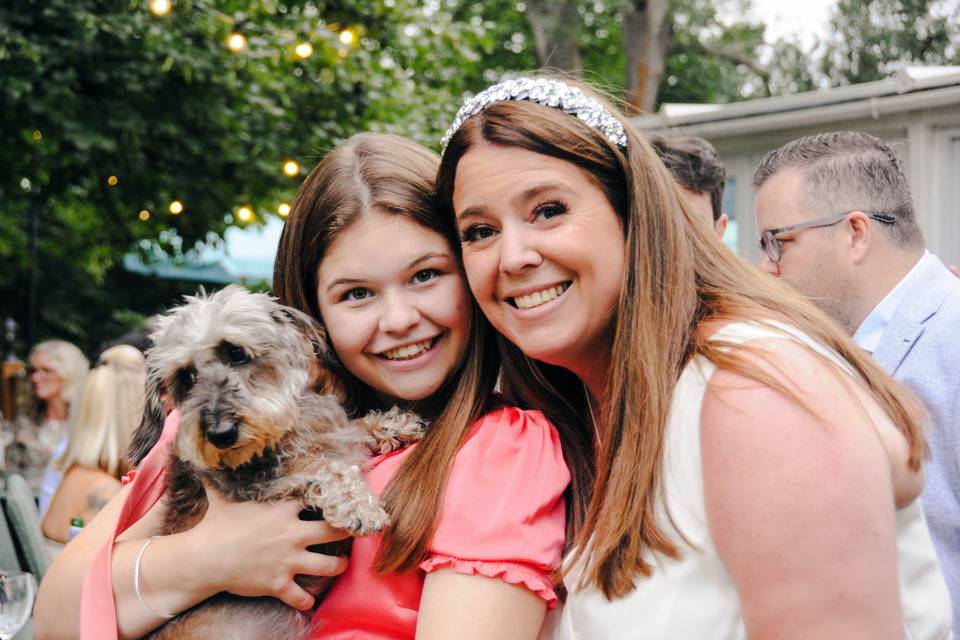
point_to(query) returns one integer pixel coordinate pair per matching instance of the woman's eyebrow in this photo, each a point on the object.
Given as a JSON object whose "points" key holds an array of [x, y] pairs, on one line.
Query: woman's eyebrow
{"points": [[470, 212], [538, 190], [521, 198]]}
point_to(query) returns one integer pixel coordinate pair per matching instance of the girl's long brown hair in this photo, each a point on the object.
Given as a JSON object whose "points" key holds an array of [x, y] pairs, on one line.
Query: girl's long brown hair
{"points": [[393, 176], [678, 274]]}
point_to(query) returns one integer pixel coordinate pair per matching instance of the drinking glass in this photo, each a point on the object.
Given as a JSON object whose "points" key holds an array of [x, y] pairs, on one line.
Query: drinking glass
{"points": [[17, 590]]}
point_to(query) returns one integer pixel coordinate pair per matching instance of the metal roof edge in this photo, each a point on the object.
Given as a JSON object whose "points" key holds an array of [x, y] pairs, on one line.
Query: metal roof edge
{"points": [[909, 80], [870, 108]]}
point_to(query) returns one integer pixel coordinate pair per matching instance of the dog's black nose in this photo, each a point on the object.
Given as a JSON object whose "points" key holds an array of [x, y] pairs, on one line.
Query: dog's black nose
{"points": [[223, 433]]}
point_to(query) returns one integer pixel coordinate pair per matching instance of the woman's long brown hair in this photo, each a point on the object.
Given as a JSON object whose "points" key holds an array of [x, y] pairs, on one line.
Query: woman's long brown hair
{"points": [[392, 176], [678, 274]]}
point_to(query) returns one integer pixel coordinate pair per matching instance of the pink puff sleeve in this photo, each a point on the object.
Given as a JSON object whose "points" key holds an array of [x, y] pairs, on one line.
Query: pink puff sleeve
{"points": [[503, 514]]}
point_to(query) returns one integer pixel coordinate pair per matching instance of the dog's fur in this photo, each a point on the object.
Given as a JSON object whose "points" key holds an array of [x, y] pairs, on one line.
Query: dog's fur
{"points": [[248, 376]]}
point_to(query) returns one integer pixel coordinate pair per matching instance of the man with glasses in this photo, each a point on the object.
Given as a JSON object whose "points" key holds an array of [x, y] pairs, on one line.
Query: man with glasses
{"points": [[836, 222]]}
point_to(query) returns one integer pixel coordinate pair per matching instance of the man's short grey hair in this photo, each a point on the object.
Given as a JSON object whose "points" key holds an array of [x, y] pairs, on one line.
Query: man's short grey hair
{"points": [[849, 171]]}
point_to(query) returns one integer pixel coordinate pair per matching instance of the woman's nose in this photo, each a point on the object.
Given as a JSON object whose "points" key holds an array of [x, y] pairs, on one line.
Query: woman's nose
{"points": [[517, 252], [399, 316]]}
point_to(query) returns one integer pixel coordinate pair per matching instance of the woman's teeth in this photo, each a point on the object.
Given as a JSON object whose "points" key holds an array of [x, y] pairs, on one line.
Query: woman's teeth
{"points": [[537, 298], [409, 351]]}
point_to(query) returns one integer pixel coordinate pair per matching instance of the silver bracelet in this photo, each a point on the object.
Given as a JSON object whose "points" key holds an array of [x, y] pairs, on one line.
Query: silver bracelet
{"points": [[136, 582]]}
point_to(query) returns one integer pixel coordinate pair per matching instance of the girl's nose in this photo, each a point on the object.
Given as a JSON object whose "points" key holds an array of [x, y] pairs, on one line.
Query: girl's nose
{"points": [[399, 316]]}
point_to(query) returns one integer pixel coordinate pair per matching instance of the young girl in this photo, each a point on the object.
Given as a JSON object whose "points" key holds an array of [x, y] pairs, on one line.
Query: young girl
{"points": [[477, 506]]}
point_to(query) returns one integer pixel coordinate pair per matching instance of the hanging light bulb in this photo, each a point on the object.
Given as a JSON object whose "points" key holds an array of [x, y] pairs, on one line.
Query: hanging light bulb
{"points": [[245, 214], [160, 7], [284, 209], [112, 181], [303, 50], [176, 207], [347, 36], [291, 168], [236, 42], [144, 215]]}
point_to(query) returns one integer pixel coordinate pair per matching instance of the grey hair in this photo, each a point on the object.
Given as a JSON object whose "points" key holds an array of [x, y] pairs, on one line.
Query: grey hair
{"points": [[849, 171], [70, 365]]}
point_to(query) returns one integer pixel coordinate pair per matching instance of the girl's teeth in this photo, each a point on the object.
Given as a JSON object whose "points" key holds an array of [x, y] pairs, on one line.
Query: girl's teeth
{"points": [[537, 298], [409, 351]]}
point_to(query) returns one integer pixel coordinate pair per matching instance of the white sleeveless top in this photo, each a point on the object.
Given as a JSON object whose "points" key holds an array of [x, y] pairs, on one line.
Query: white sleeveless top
{"points": [[693, 597]]}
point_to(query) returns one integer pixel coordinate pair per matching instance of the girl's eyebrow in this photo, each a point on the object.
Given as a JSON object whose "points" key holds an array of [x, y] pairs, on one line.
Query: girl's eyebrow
{"points": [[428, 256], [353, 281], [341, 281]]}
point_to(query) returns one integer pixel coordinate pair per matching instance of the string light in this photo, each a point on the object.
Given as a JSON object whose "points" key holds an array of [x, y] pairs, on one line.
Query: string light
{"points": [[342, 53], [160, 7], [236, 42], [245, 214], [144, 215], [303, 50], [291, 168], [37, 135], [112, 181], [284, 209], [176, 207], [347, 36]]}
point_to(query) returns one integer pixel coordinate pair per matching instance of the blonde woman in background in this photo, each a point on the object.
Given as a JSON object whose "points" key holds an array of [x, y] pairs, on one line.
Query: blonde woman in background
{"points": [[93, 463], [58, 370]]}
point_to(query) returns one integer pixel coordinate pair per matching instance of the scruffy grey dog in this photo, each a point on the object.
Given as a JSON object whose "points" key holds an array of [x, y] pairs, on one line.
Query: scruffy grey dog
{"points": [[249, 378]]}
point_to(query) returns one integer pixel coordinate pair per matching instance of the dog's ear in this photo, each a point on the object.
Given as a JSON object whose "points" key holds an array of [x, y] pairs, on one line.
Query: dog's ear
{"points": [[324, 365], [151, 425]]}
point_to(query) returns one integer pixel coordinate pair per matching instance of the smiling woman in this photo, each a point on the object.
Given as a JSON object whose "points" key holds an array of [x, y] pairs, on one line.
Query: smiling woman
{"points": [[526, 255], [717, 400]]}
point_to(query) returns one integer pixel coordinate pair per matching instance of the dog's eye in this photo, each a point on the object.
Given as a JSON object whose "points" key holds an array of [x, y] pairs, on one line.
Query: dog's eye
{"points": [[187, 378], [238, 355]]}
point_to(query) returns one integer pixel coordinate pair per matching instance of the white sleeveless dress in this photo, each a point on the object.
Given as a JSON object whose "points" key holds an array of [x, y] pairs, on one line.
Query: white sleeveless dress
{"points": [[693, 598]]}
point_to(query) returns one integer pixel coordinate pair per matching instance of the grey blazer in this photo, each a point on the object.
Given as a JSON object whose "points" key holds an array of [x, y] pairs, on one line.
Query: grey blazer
{"points": [[921, 349]]}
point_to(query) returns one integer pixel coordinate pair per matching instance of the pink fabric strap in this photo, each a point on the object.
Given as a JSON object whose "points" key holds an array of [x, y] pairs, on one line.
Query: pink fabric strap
{"points": [[98, 611]]}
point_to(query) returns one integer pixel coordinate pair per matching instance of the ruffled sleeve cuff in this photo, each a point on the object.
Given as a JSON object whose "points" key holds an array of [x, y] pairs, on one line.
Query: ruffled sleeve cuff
{"points": [[515, 573]]}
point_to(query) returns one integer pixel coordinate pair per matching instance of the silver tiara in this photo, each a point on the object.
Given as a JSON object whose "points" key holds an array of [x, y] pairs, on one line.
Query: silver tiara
{"points": [[549, 93]]}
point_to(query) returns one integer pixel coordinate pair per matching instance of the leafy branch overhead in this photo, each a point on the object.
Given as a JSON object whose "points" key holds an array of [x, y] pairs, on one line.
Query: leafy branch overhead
{"points": [[126, 128]]}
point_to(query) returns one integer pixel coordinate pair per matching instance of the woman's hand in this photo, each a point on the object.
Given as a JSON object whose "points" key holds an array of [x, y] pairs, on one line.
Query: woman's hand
{"points": [[257, 548]]}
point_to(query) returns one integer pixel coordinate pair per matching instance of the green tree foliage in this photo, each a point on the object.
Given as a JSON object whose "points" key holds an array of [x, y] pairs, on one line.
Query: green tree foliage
{"points": [[870, 39], [109, 110], [714, 54], [709, 51]]}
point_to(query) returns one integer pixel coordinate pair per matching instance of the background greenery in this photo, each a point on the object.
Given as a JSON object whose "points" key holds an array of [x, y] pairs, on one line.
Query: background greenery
{"points": [[91, 89]]}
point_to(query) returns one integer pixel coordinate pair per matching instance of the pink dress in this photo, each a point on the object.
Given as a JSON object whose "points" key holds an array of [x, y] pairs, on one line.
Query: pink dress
{"points": [[502, 517]]}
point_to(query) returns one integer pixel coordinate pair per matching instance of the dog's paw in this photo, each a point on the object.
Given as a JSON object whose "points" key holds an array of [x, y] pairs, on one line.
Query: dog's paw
{"points": [[370, 524], [391, 430], [364, 522], [404, 426]]}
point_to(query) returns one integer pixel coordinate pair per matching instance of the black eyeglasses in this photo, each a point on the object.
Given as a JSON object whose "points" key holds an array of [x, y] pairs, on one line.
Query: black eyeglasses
{"points": [[771, 244]]}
